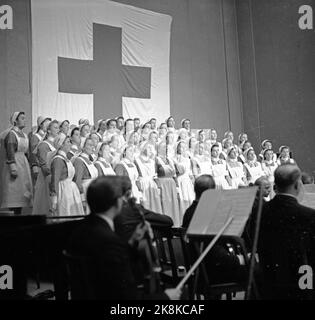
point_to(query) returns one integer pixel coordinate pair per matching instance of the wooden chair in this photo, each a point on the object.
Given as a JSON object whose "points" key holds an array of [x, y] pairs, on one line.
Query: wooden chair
{"points": [[173, 255], [202, 286]]}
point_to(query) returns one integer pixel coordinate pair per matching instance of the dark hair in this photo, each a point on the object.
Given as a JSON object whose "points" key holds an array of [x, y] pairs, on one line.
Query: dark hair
{"points": [[136, 119], [286, 175], [100, 123], [203, 183], [307, 178], [214, 145], [125, 184], [247, 141], [61, 124], [103, 193], [74, 130], [109, 121], [127, 120], [84, 125], [265, 151], [162, 124], [20, 113], [168, 119]]}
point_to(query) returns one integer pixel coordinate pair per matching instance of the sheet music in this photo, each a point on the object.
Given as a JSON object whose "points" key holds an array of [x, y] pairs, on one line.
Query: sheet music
{"points": [[309, 188], [216, 206], [309, 200]]}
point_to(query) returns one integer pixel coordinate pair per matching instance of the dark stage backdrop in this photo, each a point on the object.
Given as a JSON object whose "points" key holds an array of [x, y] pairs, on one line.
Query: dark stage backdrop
{"points": [[278, 75], [239, 64]]}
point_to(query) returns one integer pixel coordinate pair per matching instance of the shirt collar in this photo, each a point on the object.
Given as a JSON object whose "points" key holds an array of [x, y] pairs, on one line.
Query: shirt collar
{"points": [[108, 220], [286, 194], [41, 132], [63, 154]]}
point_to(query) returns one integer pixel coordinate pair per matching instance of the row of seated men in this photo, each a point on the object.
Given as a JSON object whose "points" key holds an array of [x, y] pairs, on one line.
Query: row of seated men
{"points": [[111, 234]]}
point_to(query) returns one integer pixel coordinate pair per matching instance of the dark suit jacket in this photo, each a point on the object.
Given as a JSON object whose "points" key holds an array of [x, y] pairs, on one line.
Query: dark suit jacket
{"points": [[221, 265], [287, 238], [130, 217], [189, 214], [111, 273]]}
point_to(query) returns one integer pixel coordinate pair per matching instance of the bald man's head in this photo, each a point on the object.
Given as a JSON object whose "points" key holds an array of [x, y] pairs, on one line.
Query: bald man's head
{"points": [[287, 178], [203, 183]]}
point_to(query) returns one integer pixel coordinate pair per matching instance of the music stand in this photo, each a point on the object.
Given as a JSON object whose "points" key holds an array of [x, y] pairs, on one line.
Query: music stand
{"points": [[219, 212]]}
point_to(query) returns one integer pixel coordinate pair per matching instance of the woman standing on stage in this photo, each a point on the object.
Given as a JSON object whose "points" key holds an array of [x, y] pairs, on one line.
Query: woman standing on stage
{"points": [[101, 129], [35, 139], [145, 132], [16, 183], [41, 198], [126, 167], [115, 150], [171, 145], [103, 162], [269, 166], [236, 169], [266, 145], [246, 145], [75, 140], [241, 140], [65, 195], [162, 131], [85, 171], [64, 127], [84, 133], [201, 163], [147, 179], [219, 170], [252, 166], [192, 142], [166, 173], [227, 143], [184, 177], [134, 140], [96, 140], [285, 156]]}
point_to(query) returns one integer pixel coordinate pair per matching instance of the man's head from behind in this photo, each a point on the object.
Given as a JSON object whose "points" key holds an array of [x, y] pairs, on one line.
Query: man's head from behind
{"points": [[203, 183], [288, 179], [104, 195]]}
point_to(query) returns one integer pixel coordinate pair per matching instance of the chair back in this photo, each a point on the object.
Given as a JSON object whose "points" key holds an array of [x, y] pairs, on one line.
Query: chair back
{"points": [[172, 252], [80, 277]]}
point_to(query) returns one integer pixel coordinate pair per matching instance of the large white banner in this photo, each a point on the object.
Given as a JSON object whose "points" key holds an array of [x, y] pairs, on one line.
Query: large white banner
{"points": [[76, 64]]}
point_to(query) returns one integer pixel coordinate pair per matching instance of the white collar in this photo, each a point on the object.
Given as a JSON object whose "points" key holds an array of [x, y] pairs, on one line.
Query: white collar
{"points": [[63, 154], [85, 155], [16, 129], [108, 220], [126, 160], [41, 133]]}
